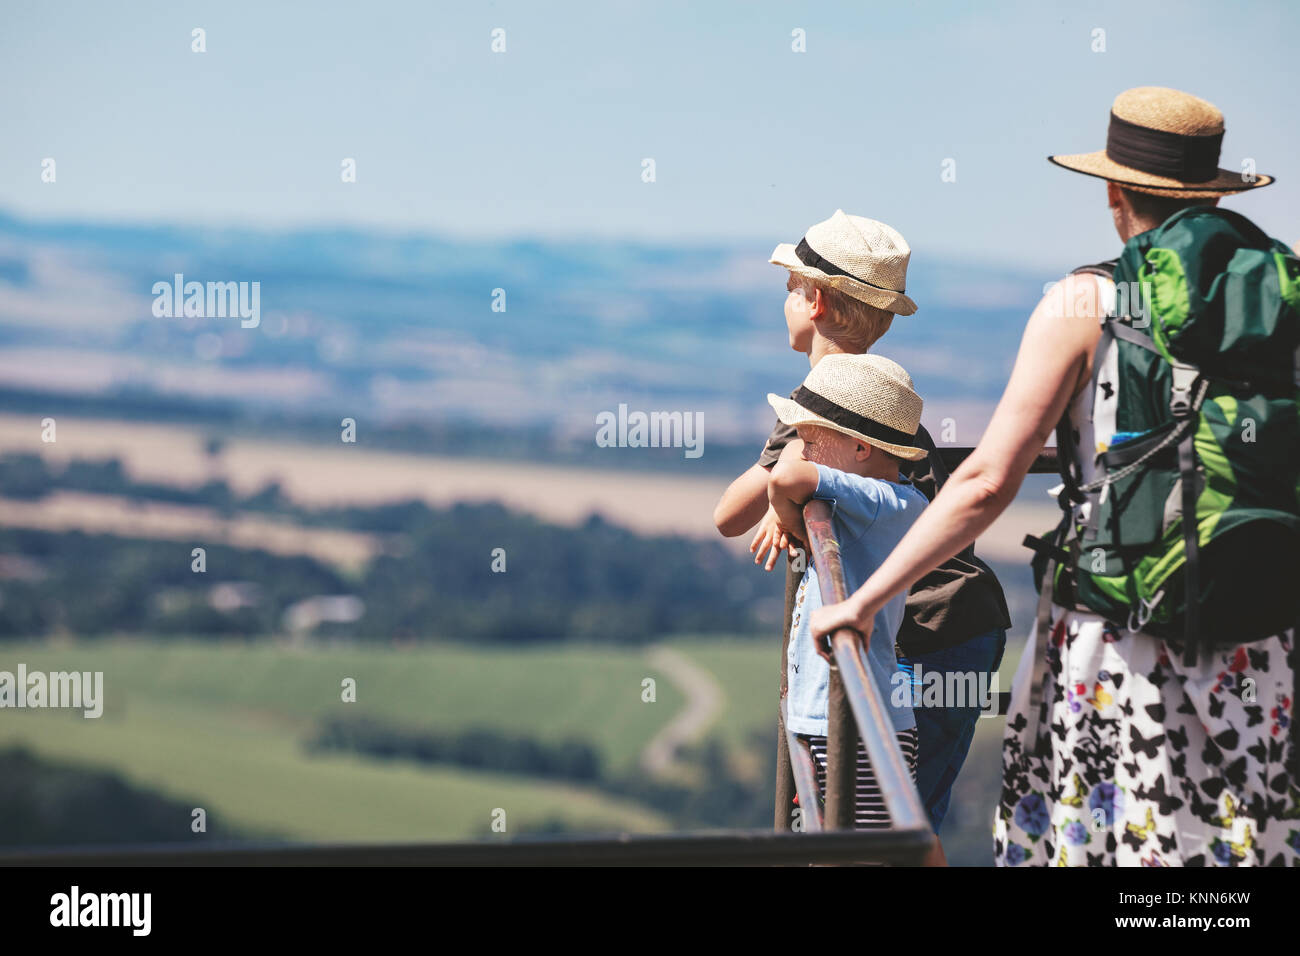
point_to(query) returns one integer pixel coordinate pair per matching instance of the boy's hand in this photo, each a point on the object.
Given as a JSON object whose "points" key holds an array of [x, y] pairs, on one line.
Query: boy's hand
{"points": [[770, 540]]}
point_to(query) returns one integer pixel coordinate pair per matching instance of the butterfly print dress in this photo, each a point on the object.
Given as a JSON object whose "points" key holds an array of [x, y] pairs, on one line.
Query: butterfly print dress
{"points": [[1134, 759]]}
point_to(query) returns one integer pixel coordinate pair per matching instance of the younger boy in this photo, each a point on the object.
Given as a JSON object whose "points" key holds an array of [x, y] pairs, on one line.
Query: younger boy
{"points": [[856, 416]]}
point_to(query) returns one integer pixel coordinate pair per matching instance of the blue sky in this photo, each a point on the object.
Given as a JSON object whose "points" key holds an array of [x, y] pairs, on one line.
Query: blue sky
{"points": [[751, 140]]}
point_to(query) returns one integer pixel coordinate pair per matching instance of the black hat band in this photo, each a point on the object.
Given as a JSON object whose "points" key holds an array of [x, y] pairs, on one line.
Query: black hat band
{"points": [[1189, 159]]}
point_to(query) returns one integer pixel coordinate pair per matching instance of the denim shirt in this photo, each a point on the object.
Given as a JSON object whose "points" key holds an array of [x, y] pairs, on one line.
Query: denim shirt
{"points": [[869, 517]]}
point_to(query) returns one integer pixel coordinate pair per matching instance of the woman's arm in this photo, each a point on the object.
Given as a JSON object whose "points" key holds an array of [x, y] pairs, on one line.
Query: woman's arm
{"points": [[1055, 354]]}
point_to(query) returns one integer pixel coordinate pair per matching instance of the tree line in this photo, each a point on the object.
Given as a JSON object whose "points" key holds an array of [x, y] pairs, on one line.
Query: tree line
{"points": [[467, 572]]}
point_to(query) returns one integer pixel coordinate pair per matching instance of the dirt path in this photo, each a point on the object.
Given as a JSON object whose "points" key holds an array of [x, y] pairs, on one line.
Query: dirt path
{"points": [[703, 704]]}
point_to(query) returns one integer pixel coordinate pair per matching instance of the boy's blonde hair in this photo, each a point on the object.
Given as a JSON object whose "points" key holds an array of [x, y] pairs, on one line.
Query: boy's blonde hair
{"points": [[851, 324]]}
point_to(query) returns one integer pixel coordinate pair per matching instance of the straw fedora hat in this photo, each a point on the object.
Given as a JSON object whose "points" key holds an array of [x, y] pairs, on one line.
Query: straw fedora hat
{"points": [[854, 255], [1164, 142], [867, 397]]}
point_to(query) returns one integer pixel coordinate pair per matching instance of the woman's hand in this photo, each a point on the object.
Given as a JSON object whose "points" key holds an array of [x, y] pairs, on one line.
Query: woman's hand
{"points": [[851, 613], [770, 540]]}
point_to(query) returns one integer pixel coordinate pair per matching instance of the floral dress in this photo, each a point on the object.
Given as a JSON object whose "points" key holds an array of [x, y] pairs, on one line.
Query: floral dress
{"points": [[1134, 759]]}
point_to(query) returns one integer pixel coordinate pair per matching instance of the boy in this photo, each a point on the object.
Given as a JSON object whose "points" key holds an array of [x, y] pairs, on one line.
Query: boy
{"points": [[847, 281], [856, 416]]}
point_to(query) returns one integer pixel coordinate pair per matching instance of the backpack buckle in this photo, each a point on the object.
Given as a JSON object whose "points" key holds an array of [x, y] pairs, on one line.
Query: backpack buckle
{"points": [[1180, 392]]}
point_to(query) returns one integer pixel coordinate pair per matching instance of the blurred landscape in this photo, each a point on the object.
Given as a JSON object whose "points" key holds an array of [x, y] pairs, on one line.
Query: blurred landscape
{"points": [[478, 687]]}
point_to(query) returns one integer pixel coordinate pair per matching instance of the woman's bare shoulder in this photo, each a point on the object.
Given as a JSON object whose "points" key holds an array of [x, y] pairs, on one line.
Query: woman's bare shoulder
{"points": [[1068, 318]]}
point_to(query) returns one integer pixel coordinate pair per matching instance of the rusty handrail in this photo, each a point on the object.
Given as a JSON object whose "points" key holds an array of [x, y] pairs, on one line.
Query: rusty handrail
{"points": [[851, 682], [805, 777]]}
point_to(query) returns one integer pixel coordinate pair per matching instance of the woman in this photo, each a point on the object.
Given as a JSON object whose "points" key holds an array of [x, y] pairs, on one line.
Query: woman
{"points": [[1133, 756]]}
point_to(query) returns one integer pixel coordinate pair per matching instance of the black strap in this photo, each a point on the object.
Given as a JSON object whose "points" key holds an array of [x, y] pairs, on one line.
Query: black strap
{"points": [[1293, 763], [1030, 740], [1052, 549], [938, 467], [1106, 269], [1046, 546], [1191, 544]]}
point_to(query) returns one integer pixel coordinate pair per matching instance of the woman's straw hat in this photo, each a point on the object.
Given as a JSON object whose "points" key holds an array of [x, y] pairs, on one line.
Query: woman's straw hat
{"points": [[867, 397], [854, 255], [1164, 142]]}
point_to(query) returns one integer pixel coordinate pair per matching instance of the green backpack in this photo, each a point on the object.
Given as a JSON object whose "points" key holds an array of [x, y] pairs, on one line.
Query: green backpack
{"points": [[1196, 412]]}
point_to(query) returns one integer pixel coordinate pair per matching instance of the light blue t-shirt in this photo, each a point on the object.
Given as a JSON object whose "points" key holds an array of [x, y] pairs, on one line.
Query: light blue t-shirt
{"points": [[869, 517]]}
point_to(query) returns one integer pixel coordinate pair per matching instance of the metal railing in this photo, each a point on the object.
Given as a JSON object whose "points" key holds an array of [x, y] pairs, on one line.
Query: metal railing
{"points": [[854, 708]]}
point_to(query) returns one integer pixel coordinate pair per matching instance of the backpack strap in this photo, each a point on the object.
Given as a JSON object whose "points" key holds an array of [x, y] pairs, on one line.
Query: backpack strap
{"points": [[938, 467], [1113, 328], [1293, 761], [1106, 268], [1038, 702], [1129, 334], [1183, 404]]}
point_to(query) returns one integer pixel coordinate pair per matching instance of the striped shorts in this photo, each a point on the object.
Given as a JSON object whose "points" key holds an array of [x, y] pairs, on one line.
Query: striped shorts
{"points": [[869, 811]]}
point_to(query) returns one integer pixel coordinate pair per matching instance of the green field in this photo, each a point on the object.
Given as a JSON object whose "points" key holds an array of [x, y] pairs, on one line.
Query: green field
{"points": [[588, 692], [222, 725]]}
